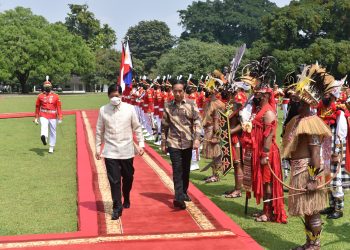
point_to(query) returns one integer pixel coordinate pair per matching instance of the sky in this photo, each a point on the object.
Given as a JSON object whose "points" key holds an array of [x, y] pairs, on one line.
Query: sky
{"points": [[119, 14]]}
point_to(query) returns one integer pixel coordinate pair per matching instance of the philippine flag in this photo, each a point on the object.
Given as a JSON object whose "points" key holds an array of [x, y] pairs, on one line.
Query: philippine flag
{"points": [[126, 67]]}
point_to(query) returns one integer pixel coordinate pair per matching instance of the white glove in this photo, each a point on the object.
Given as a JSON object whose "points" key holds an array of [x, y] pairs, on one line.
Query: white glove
{"points": [[59, 121], [36, 121]]}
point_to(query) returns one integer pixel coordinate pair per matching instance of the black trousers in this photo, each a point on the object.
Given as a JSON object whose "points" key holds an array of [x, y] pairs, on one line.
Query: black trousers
{"points": [[116, 169], [181, 163]]}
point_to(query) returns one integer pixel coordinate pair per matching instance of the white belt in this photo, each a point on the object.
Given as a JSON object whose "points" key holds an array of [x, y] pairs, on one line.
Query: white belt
{"points": [[146, 105], [286, 99], [48, 111], [161, 109], [200, 108]]}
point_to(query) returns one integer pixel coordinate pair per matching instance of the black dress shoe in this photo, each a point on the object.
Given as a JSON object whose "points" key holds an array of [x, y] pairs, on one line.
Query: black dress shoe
{"points": [[335, 215], [126, 204], [327, 210], [179, 204], [117, 212], [43, 139], [187, 198]]}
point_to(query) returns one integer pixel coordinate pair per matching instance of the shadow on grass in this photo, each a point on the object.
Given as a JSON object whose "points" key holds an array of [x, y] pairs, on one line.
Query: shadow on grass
{"points": [[271, 240], [160, 197], [341, 231], [39, 151]]}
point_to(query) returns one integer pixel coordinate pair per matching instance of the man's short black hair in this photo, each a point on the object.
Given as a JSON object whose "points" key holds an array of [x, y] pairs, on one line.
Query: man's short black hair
{"points": [[115, 87]]}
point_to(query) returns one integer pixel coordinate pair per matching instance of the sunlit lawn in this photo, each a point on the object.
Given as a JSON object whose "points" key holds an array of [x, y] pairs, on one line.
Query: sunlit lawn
{"points": [[38, 190]]}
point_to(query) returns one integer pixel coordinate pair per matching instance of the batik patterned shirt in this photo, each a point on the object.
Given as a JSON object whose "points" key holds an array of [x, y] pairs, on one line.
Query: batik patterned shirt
{"points": [[181, 124]]}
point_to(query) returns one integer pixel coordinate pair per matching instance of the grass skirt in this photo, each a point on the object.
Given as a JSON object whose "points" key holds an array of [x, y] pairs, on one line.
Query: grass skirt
{"points": [[306, 203]]}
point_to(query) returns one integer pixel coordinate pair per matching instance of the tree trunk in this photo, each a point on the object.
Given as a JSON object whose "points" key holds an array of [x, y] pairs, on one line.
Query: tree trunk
{"points": [[23, 78]]}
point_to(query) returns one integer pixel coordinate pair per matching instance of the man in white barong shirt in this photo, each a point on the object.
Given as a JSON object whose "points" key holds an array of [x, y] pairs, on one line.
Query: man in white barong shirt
{"points": [[117, 121]]}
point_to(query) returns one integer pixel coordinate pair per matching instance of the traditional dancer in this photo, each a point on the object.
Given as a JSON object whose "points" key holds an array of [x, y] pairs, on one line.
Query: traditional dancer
{"points": [[302, 144], [211, 144], [335, 116]]}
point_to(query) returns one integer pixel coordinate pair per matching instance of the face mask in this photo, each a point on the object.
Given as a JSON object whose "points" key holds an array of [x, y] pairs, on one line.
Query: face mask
{"points": [[256, 101], [326, 101], [115, 101], [47, 89]]}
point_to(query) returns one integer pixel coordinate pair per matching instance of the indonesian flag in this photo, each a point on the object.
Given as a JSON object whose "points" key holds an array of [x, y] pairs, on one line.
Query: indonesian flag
{"points": [[126, 67]]}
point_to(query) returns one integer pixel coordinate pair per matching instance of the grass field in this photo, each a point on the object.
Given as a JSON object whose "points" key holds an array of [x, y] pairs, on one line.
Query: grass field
{"points": [[38, 183], [38, 190]]}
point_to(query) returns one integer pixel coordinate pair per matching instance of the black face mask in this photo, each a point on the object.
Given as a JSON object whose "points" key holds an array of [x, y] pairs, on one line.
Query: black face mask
{"points": [[47, 90], [326, 101], [256, 101]]}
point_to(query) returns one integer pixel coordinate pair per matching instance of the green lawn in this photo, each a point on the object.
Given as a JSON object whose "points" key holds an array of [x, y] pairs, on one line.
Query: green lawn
{"points": [[26, 103], [38, 190]]}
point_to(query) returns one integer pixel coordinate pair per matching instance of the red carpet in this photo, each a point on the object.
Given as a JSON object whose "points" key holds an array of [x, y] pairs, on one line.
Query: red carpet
{"points": [[150, 223]]}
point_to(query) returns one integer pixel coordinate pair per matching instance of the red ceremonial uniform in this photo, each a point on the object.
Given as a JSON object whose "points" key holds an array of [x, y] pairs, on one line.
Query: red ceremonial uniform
{"points": [[170, 96], [157, 97], [343, 97], [148, 101], [48, 105], [193, 96], [200, 101], [162, 102]]}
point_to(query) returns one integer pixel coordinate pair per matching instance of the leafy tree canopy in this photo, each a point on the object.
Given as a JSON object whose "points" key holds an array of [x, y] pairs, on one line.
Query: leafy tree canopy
{"points": [[225, 21], [31, 47], [82, 22], [149, 40], [195, 57]]}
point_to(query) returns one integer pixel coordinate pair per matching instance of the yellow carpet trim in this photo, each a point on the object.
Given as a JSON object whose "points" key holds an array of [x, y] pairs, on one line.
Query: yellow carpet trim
{"points": [[193, 210], [115, 239], [112, 226]]}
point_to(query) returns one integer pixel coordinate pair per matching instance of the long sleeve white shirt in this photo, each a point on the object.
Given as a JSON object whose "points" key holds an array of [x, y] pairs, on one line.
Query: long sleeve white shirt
{"points": [[115, 128]]}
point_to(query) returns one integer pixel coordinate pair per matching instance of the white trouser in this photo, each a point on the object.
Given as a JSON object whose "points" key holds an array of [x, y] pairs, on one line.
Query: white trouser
{"points": [[45, 125], [195, 155], [159, 123], [285, 111], [148, 122]]}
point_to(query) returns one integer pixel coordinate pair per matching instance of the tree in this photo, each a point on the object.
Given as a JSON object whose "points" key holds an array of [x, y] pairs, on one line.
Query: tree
{"points": [[31, 48], [149, 40], [82, 22], [107, 67], [302, 22], [225, 21], [194, 57]]}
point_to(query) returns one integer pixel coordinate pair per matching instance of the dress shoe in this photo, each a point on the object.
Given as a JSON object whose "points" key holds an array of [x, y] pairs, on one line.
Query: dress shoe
{"points": [[335, 215], [126, 204], [43, 139], [327, 210], [179, 204], [187, 198], [117, 212]]}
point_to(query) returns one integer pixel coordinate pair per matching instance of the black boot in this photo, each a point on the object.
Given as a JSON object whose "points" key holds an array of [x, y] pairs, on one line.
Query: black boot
{"points": [[43, 139], [335, 215], [328, 210]]}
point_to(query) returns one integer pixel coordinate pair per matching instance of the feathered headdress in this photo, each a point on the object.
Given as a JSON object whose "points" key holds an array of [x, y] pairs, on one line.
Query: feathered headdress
{"points": [[260, 74], [313, 83]]}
